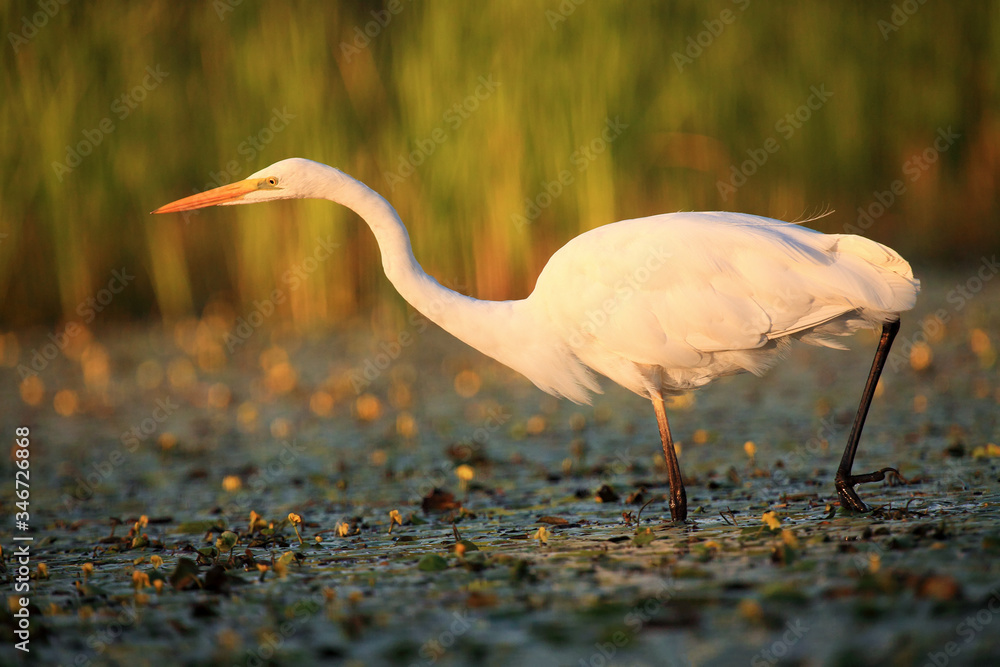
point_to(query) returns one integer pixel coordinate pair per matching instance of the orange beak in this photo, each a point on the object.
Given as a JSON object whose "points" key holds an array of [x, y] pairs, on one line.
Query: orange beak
{"points": [[221, 195]]}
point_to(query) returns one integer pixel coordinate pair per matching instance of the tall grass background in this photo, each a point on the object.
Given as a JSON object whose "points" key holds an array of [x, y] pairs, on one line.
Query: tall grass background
{"points": [[564, 70]]}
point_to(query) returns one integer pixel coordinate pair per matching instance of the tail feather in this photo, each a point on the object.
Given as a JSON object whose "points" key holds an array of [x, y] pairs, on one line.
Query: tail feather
{"points": [[895, 271]]}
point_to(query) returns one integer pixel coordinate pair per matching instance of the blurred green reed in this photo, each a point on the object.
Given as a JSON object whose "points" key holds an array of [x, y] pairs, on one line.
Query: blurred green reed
{"points": [[217, 74]]}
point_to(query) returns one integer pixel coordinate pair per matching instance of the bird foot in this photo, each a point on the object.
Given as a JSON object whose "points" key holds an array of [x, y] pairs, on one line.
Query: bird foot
{"points": [[845, 484]]}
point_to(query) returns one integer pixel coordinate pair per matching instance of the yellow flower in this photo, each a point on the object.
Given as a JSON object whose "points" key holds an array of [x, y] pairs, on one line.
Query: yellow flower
{"points": [[874, 563], [257, 522], [140, 580], [465, 473], [991, 450], [394, 518], [295, 520], [772, 521], [281, 565]]}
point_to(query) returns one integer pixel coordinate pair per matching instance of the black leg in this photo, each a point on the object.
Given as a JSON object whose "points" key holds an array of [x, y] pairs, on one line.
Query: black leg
{"points": [[678, 497], [845, 481]]}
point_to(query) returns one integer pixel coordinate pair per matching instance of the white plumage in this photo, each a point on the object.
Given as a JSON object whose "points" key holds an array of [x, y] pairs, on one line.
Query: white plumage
{"points": [[684, 298], [659, 304]]}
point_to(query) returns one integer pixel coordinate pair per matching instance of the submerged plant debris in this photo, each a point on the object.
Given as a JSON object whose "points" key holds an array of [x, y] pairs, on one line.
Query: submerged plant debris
{"points": [[278, 504]]}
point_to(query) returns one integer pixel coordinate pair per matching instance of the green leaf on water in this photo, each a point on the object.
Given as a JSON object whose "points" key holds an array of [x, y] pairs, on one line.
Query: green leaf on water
{"points": [[469, 546], [226, 541], [643, 538], [432, 563], [208, 552]]}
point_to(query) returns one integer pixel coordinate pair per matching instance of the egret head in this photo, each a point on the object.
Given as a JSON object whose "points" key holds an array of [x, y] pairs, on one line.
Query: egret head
{"points": [[294, 178]]}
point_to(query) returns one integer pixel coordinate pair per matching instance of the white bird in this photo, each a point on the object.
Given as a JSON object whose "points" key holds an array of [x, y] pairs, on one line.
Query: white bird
{"points": [[659, 305]]}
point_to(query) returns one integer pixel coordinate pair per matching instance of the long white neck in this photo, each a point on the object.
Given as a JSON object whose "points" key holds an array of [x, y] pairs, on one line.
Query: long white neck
{"points": [[462, 316], [515, 333], [488, 326]]}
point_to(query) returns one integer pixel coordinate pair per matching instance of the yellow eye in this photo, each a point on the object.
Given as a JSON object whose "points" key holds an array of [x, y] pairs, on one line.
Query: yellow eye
{"points": [[272, 181]]}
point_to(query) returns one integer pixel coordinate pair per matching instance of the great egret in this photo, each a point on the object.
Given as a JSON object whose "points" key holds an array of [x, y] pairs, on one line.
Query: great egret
{"points": [[660, 305]]}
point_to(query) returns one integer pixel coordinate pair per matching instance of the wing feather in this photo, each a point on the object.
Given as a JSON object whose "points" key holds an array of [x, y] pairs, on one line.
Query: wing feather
{"points": [[677, 290]]}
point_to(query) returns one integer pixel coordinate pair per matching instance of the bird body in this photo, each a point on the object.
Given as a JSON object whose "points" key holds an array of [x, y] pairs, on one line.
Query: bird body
{"points": [[659, 305], [677, 300]]}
